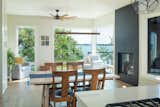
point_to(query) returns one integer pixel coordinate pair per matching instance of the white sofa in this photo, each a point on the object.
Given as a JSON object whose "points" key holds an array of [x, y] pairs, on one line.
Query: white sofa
{"points": [[93, 60]]}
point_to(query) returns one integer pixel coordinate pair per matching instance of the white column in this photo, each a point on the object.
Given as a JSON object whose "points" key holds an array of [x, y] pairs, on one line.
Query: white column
{"points": [[94, 42], [3, 48]]}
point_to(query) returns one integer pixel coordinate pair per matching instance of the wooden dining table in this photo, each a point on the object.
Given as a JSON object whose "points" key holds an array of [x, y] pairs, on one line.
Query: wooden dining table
{"points": [[45, 77]]}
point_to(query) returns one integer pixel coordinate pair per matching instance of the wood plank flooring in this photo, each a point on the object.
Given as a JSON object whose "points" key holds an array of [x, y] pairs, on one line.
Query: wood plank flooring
{"points": [[22, 95]]}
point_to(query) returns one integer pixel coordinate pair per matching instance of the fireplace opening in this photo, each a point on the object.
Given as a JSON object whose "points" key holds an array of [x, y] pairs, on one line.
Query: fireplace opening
{"points": [[155, 67], [125, 63]]}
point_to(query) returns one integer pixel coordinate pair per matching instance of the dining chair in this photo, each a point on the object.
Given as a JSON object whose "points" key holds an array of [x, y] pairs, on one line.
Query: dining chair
{"points": [[80, 64], [54, 66], [49, 65], [72, 66], [58, 65], [44, 68], [65, 93], [97, 79]]}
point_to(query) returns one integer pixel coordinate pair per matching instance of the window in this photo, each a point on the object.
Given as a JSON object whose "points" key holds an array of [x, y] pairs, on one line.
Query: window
{"points": [[44, 40], [104, 44], [71, 47]]}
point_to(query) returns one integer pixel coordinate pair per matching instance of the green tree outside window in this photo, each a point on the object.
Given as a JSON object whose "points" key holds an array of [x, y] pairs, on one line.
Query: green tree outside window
{"points": [[65, 47], [26, 44]]}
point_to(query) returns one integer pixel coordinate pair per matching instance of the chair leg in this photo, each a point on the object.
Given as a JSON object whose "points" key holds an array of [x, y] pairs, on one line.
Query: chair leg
{"points": [[50, 105], [54, 104], [68, 104], [74, 102]]}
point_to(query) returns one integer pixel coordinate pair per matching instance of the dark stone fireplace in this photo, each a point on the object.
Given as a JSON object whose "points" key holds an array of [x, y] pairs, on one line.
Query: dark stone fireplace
{"points": [[125, 61], [127, 45]]}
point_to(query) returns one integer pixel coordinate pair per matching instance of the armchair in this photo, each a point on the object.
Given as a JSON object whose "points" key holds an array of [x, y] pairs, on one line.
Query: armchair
{"points": [[22, 69]]}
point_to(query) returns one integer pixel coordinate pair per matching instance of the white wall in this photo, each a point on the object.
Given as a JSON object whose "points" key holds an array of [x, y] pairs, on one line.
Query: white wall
{"points": [[143, 46], [106, 26], [3, 48], [42, 26]]}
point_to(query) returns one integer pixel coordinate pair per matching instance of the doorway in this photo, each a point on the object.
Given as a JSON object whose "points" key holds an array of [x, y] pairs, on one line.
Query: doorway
{"points": [[26, 45]]}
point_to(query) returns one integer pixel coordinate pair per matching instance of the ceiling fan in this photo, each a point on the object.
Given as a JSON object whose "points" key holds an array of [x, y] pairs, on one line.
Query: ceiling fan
{"points": [[61, 17]]}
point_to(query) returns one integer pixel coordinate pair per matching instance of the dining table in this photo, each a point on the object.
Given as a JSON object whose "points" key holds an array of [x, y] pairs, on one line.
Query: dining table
{"points": [[45, 77]]}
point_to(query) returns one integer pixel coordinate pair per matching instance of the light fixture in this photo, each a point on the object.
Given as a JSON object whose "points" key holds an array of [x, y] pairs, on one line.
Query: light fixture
{"points": [[145, 6], [79, 33]]}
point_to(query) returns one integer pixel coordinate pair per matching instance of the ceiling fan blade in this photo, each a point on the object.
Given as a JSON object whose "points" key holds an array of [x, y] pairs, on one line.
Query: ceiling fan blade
{"points": [[61, 19], [51, 14], [65, 15], [71, 17]]}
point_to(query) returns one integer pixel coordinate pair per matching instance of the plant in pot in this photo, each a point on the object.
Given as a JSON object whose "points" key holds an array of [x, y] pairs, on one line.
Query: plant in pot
{"points": [[10, 63]]}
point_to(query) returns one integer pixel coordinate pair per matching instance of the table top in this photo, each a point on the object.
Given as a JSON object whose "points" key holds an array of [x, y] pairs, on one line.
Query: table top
{"points": [[102, 97], [45, 77], [22, 95]]}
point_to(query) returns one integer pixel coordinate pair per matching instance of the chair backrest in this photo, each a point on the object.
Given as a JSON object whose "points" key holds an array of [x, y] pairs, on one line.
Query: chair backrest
{"points": [[44, 68], [72, 66], [65, 77], [54, 66], [49, 65], [58, 65], [95, 81], [80, 64], [75, 65]]}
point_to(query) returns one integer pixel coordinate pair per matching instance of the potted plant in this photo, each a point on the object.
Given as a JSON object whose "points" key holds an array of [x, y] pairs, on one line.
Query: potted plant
{"points": [[10, 63]]}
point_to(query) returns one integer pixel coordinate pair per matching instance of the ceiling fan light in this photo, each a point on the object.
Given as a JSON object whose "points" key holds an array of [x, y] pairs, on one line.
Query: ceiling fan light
{"points": [[61, 17]]}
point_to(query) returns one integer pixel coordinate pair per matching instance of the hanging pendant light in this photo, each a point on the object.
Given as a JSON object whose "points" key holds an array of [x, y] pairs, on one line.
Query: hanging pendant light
{"points": [[145, 6]]}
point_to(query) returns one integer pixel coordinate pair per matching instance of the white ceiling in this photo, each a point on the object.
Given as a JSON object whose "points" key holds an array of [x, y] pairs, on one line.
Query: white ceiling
{"points": [[80, 8]]}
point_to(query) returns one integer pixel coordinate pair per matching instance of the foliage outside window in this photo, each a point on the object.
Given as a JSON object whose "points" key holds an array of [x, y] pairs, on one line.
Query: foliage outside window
{"points": [[105, 54], [65, 47], [10, 60], [10, 63], [26, 44]]}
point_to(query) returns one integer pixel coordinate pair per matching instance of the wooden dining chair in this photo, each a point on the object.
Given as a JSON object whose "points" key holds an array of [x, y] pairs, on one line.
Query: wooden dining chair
{"points": [[80, 64], [65, 93], [72, 66], [54, 66], [58, 65], [96, 81], [49, 65], [44, 68]]}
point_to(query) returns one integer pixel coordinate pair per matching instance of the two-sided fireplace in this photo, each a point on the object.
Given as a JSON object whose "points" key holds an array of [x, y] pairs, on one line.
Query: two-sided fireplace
{"points": [[127, 44], [125, 61], [127, 67]]}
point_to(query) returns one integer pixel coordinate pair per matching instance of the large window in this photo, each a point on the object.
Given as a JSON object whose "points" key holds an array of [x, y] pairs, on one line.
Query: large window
{"points": [[104, 44], [71, 47]]}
